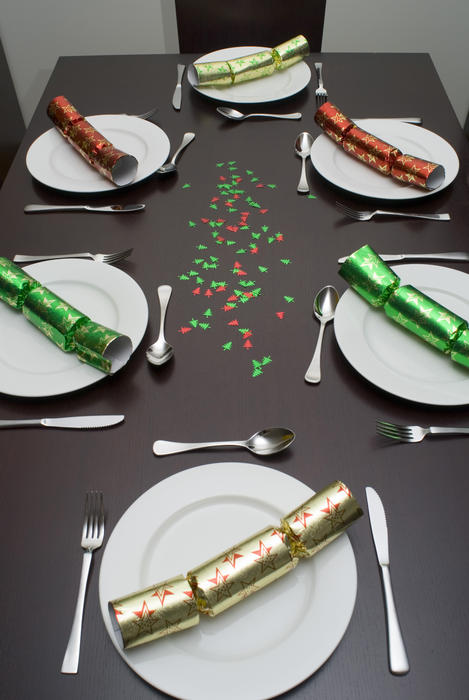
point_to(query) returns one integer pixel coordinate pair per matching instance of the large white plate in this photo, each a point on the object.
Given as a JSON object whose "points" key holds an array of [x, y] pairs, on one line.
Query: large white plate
{"points": [[30, 363], [277, 86], [266, 644], [396, 360], [54, 162], [345, 171]]}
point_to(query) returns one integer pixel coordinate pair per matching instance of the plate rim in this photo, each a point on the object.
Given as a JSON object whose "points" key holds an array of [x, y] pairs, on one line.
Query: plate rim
{"points": [[408, 193], [218, 55], [243, 472], [105, 185], [343, 342], [136, 336]]}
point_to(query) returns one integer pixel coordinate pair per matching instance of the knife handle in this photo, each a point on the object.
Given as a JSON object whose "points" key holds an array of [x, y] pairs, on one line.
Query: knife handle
{"points": [[20, 423], [398, 661]]}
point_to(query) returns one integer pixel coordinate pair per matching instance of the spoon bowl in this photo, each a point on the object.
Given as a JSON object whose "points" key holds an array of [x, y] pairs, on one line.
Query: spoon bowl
{"points": [[265, 442], [238, 116], [171, 167], [324, 307], [161, 351], [303, 144]]}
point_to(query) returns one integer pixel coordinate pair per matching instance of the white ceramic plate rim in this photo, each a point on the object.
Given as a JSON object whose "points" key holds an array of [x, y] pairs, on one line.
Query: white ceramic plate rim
{"points": [[348, 173], [394, 359], [278, 86], [30, 364], [53, 161], [259, 494]]}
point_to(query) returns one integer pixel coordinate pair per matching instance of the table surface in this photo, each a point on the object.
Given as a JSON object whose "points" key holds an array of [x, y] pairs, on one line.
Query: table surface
{"points": [[207, 394]]}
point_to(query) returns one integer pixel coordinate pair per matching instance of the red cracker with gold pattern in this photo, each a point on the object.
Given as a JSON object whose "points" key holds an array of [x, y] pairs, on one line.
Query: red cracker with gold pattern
{"points": [[380, 155], [370, 149], [333, 121], [114, 164]]}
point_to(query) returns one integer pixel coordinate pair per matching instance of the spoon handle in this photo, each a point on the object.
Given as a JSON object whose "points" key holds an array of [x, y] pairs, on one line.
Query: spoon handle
{"points": [[164, 294], [165, 447], [187, 138], [303, 183], [294, 115], [313, 373]]}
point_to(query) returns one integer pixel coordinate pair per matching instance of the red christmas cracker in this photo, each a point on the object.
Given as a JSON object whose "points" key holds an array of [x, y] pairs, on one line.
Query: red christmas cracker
{"points": [[376, 153], [115, 165]]}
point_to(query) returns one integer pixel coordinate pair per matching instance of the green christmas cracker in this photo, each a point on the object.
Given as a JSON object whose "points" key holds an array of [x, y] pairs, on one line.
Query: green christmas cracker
{"points": [[374, 280]]}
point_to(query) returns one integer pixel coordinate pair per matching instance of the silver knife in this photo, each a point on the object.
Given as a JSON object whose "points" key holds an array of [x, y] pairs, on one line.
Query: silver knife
{"points": [[456, 256], [398, 662], [68, 422], [178, 91]]}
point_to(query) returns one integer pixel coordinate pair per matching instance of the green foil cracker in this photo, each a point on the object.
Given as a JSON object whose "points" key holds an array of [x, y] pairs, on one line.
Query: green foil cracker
{"points": [[154, 612], [53, 316], [369, 275], [15, 284], [101, 347], [320, 519], [241, 570], [425, 317]]}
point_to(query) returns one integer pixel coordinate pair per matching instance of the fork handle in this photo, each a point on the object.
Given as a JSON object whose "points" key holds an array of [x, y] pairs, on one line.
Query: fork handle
{"points": [[448, 431], [35, 258], [72, 653], [433, 217], [318, 67]]}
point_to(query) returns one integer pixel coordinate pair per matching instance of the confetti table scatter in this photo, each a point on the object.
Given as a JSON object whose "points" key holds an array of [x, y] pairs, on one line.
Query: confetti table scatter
{"points": [[67, 327], [115, 165], [372, 151], [257, 65], [230, 577], [238, 230], [380, 286]]}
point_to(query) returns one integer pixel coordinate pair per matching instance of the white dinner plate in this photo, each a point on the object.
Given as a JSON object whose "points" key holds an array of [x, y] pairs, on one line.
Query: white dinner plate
{"points": [[259, 648], [54, 162], [349, 173], [278, 86], [30, 363], [395, 359]]}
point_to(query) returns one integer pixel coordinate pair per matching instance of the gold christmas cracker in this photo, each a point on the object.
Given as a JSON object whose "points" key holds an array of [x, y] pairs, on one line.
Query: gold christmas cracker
{"points": [[237, 572], [254, 66]]}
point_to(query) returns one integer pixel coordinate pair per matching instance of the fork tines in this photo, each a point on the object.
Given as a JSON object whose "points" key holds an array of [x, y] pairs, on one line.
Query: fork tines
{"points": [[93, 524], [393, 431], [352, 213], [115, 257]]}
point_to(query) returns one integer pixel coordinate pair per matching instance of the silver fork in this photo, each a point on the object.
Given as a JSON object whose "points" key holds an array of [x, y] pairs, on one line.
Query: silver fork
{"points": [[360, 215], [321, 92], [92, 538], [413, 433], [108, 258], [145, 115]]}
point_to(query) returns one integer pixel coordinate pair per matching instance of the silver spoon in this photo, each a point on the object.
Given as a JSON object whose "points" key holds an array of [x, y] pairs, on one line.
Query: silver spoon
{"points": [[171, 166], [324, 309], [265, 442], [161, 351], [303, 145], [231, 113]]}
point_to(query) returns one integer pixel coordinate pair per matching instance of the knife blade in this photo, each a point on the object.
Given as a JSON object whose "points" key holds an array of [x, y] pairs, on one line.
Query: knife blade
{"points": [[178, 90], [457, 256], [398, 661], [65, 422]]}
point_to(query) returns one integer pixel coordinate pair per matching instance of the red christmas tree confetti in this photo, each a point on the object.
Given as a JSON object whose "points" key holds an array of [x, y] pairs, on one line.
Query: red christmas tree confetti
{"points": [[233, 235]]}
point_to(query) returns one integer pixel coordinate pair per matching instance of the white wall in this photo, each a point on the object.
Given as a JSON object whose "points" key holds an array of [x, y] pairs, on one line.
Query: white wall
{"points": [[36, 32]]}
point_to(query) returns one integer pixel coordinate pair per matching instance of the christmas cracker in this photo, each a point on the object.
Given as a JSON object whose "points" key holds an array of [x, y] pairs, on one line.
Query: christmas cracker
{"points": [[374, 280], [67, 327], [376, 153], [235, 574], [115, 165], [257, 65]]}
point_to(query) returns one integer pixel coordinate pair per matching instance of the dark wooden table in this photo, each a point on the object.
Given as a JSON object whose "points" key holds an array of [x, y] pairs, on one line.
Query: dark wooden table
{"points": [[205, 393]]}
